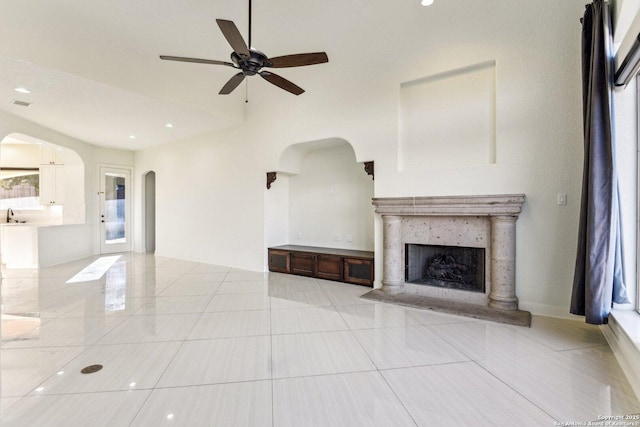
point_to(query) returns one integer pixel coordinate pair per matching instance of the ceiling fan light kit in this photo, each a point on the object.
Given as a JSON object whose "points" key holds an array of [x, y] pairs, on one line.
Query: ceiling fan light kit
{"points": [[251, 61]]}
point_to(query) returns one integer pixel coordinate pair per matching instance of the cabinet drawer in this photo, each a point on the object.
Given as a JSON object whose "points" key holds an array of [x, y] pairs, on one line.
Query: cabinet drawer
{"points": [[329, 267]]}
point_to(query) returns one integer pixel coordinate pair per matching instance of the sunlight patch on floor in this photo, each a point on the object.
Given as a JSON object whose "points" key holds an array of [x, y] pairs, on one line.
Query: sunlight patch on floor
{"points": [[95, 270]]}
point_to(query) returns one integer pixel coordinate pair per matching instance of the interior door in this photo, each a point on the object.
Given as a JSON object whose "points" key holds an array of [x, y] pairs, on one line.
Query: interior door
{"points": [[115, 210]]}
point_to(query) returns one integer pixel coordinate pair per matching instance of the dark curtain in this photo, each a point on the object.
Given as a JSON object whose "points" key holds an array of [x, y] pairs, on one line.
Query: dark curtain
{"points": [[598, 279]]}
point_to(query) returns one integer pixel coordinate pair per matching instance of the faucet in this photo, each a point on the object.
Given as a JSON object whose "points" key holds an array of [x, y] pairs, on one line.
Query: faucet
{"points": [[9, 215]]}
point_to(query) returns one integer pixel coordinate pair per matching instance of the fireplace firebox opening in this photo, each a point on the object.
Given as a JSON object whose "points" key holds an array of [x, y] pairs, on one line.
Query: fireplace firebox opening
{"points": [[451, 267]]}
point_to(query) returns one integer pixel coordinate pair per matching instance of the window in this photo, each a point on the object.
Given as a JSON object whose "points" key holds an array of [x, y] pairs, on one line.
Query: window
{"points": [[20, 189], [638, 195]]}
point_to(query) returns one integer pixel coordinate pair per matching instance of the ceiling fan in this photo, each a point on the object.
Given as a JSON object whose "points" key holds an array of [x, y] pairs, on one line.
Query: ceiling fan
{"points": [[250, 61]]}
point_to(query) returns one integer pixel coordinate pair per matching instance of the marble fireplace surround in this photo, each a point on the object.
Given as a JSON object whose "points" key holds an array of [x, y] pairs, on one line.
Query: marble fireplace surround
{"points": [[470, 221]]}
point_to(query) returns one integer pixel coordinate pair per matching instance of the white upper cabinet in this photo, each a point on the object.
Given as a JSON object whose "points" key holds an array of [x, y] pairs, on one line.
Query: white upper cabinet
{"points": [[50, 156]]}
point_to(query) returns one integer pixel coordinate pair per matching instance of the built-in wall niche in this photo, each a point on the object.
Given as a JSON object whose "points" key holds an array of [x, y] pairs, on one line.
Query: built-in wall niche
{"points": [[329, 197], [448, 119]]}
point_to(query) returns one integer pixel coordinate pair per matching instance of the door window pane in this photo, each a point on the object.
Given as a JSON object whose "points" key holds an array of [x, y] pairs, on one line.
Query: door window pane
{"points": [[115, 208]]}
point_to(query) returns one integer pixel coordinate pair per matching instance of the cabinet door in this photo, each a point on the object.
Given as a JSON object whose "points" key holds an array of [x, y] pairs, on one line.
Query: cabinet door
{"points": [[59, 184], [51, 184], [302, 263], [329, 267], [50, 156], [358, 271], [279, 261]]}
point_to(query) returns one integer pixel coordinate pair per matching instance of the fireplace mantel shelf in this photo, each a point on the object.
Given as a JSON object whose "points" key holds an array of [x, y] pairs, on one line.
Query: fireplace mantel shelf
{"points": [[504, 204]]}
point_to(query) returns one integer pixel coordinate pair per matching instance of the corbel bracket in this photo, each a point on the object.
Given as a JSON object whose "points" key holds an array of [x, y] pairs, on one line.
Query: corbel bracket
{"points": [[271, 176]]}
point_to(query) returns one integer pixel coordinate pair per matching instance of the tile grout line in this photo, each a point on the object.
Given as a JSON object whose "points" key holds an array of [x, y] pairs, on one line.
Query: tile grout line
{"points": [[514, 390], [377, 369], [273, 408], [155, 386]]}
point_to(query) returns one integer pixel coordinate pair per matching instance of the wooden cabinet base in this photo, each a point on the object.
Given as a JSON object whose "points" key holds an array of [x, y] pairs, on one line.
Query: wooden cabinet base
{"points": [[341, 265]]}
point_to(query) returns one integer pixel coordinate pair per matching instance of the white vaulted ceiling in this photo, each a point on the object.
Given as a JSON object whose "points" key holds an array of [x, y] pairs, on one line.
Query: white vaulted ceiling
{"points": [[94, 72]]}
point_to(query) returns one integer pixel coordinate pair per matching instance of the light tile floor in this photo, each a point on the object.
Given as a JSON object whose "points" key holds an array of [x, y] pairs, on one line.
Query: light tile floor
{"points": [[190, 344]]}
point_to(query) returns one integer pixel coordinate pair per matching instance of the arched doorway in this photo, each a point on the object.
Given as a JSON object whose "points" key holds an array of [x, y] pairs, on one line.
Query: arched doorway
{"points": [[149, 180]]}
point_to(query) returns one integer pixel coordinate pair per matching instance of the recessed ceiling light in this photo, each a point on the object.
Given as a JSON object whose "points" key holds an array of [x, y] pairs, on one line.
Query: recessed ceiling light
{"points": [[132, 137], [21, 89], [427, 2], [169, 125]]}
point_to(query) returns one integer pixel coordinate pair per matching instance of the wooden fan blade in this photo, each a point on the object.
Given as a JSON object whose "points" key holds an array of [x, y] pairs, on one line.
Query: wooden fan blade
{"points": [[298, 60], [231, 84], [233, 36], [281, 82], [196, 60]]}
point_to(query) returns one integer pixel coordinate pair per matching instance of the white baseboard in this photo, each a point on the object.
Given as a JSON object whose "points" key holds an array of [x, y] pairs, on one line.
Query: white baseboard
{"points": [[620, 331], [547, 310]]}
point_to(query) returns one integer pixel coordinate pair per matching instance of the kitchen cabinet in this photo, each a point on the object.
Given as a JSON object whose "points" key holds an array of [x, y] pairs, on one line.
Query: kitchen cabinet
{"points": [[50, 156], [52, 185], [342, 265]]}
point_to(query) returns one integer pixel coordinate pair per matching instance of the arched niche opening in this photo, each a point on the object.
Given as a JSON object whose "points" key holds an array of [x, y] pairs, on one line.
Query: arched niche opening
{"points": [[321, 197], [42, 183]]}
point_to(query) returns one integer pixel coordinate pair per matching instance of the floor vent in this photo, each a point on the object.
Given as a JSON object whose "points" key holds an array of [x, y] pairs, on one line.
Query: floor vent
{"points": [[91, 369]]}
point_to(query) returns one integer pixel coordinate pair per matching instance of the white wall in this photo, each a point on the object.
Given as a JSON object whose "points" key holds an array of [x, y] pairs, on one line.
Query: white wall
{"points": [[536, 49], [210, 201], [330, 201], [276, 212]]}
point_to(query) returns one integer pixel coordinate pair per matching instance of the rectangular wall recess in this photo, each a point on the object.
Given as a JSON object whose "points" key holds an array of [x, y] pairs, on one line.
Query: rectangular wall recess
{"points": [[449, 119]]}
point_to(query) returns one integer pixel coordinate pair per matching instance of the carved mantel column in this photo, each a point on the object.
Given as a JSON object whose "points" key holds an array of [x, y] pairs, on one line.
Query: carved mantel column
{"points": [[392, 278], [503, 256]]}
